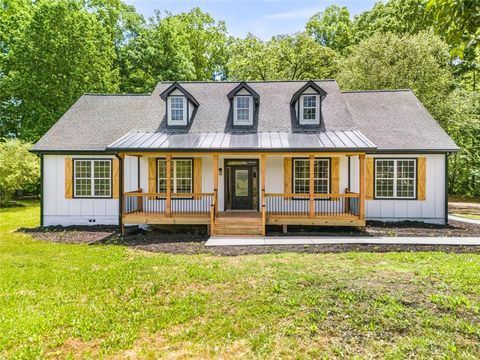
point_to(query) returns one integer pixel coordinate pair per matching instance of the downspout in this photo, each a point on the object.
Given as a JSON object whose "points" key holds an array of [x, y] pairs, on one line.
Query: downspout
{"points": [[120, 190], [41, 190], [446, 188]]}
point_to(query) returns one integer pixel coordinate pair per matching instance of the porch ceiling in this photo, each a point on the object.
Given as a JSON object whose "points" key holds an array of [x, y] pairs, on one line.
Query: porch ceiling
{"points": [[269, 141]]}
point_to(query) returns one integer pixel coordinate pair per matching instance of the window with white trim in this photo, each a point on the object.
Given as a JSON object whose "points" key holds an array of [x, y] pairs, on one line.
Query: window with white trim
{"points": [[309, 109], [181, 175], [92, 178], [243, 110], [301, 176], [395, 178], [177, 110]]}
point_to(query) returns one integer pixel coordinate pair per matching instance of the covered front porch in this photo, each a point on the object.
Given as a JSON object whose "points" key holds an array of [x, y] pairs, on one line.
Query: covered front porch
{"points": [[241, 193]]}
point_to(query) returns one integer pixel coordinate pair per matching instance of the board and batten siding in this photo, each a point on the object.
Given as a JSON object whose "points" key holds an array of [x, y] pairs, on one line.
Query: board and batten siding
{"points": [[430, 210], [58, 210], [61, 211]]}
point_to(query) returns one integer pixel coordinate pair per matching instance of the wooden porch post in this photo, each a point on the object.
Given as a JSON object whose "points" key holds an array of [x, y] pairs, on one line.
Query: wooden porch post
{"points": [[263, 166], [215, 182], [121, 190], [312, 187], [168, 207], [362, 187]]}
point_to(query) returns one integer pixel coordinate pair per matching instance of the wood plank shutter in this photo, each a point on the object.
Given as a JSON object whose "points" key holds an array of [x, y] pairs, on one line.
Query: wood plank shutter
{"points": [[68, 178], [197, 176], [369, 179], [422, 178], [287, 175], [152, 175], [115, 178], [335, 175]]}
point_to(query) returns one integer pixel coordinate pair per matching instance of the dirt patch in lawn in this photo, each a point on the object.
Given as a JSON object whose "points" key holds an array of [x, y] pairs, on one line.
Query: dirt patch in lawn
{"points": [[74, 234], [464, 206], [194, 242]]}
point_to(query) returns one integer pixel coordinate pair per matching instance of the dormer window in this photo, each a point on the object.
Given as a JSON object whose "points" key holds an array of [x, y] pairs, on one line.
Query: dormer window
{"points": [[244, 103], [243, 110], [306, 104], [309, 112], [177, 113], [181, 106]]}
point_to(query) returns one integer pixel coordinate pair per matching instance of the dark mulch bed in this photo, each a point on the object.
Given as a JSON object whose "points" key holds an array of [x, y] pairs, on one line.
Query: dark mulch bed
{"points": [[164, 241]]}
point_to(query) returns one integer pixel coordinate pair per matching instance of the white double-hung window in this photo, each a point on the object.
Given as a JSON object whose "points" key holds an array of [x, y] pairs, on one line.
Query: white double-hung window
{"points": [[395, 178], [177, 110], [181, 175], [92, 178], [243, 110], [301, 176], [309, 110]]}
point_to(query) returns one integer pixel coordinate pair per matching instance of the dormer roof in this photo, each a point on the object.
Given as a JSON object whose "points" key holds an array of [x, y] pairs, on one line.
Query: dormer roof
{"points": [[310, 84], [176, 86], [244, 86]]}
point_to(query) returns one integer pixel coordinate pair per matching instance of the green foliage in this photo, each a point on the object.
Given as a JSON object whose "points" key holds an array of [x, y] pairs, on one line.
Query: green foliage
{"points": [[62, 52], [332, 28], [459, 21], [388, 61], [283, 57], [463, 126], [396, 16], [18, 168], [188, 46]]}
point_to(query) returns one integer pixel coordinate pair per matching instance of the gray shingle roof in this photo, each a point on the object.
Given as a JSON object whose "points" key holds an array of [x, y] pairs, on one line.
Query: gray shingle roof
{"points": [[95, 121], [397, 120]]}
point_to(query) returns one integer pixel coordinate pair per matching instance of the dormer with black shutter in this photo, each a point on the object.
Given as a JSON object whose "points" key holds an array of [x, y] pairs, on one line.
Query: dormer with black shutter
{"points": [[244, 102], [181, 106], [307, 104]]}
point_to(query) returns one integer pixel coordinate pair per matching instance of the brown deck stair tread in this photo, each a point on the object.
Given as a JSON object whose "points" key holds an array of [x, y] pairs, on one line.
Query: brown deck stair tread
{"points": [[238, 223]]}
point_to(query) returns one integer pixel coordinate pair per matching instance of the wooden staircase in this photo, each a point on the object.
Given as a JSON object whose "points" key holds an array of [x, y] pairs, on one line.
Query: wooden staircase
{"points": [[238, 223]]}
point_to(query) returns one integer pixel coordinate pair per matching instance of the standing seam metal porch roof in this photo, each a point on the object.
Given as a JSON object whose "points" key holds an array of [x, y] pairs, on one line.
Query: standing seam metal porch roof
{"points": [[209, 141]]}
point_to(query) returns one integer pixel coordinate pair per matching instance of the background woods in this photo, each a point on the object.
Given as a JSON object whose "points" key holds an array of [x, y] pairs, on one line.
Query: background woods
{"points": [[52, 51]]}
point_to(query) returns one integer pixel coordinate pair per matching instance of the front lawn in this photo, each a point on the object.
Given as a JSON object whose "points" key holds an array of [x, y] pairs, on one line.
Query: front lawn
{"points": [[70, 300]]}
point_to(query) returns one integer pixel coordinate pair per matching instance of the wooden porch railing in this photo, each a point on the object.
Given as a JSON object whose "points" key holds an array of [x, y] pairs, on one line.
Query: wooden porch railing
{"points": [[323, 205], [157, 203]]}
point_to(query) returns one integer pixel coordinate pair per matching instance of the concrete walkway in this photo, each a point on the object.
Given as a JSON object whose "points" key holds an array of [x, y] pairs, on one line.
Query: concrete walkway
{"points": [[458, 218], [322, 240]]}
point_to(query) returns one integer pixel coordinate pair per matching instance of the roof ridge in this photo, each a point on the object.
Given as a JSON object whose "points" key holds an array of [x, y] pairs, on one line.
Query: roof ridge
{"points": [[241, 81], [373, 91], [106, 94]]}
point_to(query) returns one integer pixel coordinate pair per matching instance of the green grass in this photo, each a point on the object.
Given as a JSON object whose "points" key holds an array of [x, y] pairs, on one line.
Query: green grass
{"points": [[469, 216], [81, 301]]}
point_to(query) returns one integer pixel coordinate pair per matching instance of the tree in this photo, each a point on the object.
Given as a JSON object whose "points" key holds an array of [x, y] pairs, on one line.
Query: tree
{"points": [[283, 57], [459, 21], [388, 61], [61, 53], [396, 16], [188, 46], [18, 168], [463, 126], [332, 28]]}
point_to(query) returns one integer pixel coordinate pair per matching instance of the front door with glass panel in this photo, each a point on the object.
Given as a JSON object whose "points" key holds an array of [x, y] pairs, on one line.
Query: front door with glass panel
{"points": [[241, 182]]}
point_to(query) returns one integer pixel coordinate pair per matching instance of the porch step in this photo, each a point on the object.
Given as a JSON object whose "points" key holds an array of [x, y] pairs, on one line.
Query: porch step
{"points": [[238, 226]]}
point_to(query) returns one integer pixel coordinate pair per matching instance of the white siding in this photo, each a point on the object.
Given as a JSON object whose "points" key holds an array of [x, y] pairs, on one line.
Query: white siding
{"points": [[431, 210], [60, 211]]}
